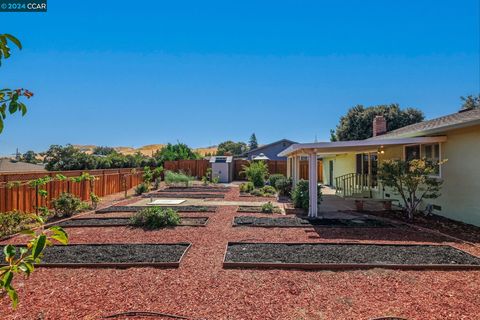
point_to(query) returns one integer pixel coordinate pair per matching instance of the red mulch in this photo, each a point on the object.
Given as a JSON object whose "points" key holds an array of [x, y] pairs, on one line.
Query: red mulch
{"points": [[201, 288]]}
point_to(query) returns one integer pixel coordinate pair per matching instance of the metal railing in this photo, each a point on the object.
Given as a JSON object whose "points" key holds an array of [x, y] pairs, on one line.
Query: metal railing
{"points": [[356, 184]]}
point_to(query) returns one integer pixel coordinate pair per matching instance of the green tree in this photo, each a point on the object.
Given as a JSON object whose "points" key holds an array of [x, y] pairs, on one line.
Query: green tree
{"points": [[252, 143], [30, 157], [172, 152], [232, 148], [470, 102], [358, 122], [104, 151], [414, 180], [10, 99]]}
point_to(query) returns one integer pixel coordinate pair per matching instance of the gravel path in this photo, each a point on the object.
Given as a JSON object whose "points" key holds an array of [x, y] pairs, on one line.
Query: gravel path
{"points": [[295, 222], [202, 288], [348, 253]]}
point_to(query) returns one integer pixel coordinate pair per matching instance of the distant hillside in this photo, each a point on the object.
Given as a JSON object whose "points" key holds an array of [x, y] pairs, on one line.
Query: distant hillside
{"points": [[147, 150]]}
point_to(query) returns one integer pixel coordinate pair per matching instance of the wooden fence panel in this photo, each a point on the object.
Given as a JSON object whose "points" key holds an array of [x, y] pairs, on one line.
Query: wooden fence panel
{"points": [[24, 198], [196, 168], [304, 170]]}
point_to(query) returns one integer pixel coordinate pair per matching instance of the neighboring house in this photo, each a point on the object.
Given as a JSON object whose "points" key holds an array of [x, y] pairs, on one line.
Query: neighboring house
{"points": [[9, 166], [351, 166], [270, 150]]}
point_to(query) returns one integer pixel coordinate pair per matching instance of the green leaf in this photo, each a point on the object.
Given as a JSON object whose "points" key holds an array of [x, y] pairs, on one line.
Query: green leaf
{"points": [[38, 246], [14, 40], [9, 251], [28, 232], [13, 296], [7, 279], [12, 107], [59, 234]]}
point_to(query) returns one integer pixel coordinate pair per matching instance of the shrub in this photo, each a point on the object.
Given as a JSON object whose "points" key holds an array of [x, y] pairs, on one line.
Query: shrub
{"points": [[155, 217], [247, 187], [172, 178], [257, 193], [268, 190], [67, 204], [95, 200], [14, 221], [141, 188], [256, 173], [268, 207], [284, 186], [300, 195], [273, 178]]}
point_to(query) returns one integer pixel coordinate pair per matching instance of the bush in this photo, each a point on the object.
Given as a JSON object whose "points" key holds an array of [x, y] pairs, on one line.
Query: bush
{"points": [[15, 221], [300, 196], [247, 187], [256, 173], [284, 186], [173, 178], [141, 188], [155, 217], [273, 178], [67, 204], [268, 207], [268, 190]]}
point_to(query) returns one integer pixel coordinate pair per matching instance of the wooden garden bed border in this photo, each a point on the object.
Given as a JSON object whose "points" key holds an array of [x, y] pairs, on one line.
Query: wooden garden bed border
{"points": [[345, 266], [119, 265], [125, 225]]}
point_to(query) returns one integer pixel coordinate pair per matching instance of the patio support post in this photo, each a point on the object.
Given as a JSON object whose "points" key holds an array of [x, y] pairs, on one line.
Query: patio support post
{"points": [[312, 185], [289, 167], [296, 170]]}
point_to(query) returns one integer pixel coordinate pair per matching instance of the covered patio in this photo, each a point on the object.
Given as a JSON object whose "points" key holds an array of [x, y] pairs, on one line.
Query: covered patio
{"points": [[319, 150]]}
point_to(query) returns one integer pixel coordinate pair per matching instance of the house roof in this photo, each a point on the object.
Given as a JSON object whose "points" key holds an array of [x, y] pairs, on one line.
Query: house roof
{"points": [[268, 145], [355, 145], [7, 165], [435, 126]]}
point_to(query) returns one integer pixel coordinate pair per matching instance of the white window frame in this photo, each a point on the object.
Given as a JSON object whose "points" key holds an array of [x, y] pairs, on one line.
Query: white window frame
{"points": [[422, 146]]}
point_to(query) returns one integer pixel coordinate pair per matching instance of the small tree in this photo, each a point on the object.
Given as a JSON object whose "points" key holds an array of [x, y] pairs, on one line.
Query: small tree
{"points": [[414, 180], [256, 172]]}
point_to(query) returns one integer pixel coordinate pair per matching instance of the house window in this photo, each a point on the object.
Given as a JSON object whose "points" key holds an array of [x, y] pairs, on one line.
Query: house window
{"points": [[412, 152], [429, 152]]}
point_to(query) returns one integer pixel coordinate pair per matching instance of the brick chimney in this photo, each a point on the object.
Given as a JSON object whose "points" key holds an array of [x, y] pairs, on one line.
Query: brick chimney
{"points": [[379, 126]]}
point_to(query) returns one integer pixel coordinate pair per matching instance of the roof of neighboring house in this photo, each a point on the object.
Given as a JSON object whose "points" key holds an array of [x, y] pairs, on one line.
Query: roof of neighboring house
{"points": [[438, 125], [7, 165], [268, 145]]}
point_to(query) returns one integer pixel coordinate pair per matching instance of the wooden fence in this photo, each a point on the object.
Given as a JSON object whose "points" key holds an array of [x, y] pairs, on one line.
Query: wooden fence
{"points": [[24, 197], [198, 168]]}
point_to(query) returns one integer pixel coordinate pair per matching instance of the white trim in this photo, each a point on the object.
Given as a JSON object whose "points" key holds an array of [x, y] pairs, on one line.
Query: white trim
{"points": [[346, 146]]}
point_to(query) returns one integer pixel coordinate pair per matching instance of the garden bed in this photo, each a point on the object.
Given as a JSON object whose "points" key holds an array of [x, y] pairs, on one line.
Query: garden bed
{"points": [[171, 195], [246, 195], [325, 256], [113, 255], [256, 209], [266, 222], [114, 222], [138, 208]]}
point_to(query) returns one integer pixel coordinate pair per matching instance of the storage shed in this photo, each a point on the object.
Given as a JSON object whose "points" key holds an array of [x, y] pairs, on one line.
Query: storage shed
{"points": [[222, 167]]}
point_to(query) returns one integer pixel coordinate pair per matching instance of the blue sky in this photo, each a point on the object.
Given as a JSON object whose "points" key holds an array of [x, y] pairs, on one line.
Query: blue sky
{"points": [[133, 73]]}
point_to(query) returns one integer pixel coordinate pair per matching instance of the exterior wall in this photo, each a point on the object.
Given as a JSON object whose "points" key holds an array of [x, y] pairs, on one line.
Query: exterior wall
{"points": [[459, 198], [342, 164], [271, 151]]}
